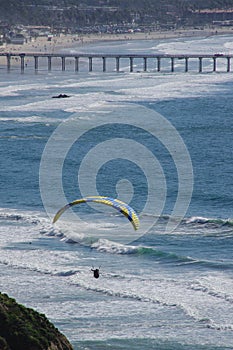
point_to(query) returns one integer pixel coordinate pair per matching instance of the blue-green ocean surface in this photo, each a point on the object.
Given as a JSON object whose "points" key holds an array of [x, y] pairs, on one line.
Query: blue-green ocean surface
{"points": [[161, 142]]}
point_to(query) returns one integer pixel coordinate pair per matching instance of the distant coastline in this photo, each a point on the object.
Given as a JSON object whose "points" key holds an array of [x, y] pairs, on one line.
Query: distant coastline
{"points": [[56, 44], [75, 41]]}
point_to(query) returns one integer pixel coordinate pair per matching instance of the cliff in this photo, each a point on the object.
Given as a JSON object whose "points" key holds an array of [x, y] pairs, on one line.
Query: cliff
{"points": [[22, 328]]}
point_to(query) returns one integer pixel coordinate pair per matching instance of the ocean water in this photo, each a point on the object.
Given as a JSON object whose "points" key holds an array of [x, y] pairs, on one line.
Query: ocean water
{"points": [[161, 142]]}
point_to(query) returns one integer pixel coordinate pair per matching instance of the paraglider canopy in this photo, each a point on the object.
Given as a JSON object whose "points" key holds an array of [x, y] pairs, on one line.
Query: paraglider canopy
{"points": [[122, 207]]}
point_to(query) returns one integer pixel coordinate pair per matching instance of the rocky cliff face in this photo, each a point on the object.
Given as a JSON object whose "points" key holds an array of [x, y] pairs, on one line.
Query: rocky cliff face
{"points": [[22, 328]]}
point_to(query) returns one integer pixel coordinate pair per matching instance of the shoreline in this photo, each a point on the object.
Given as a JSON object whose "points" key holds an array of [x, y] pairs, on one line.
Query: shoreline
{"points": [[75, 41], [57, 44]]}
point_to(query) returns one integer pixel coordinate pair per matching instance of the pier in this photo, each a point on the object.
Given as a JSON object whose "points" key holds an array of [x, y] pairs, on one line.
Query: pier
{"points": [[155, 61]]}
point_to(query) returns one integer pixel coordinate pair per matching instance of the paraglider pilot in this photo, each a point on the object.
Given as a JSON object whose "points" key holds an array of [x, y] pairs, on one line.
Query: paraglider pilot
{"points": [[96, 272]]}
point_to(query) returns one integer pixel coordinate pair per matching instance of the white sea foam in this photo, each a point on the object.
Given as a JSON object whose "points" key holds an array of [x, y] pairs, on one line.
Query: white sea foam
{"points": [[27, 249], [218, 285], [31, 119], [197, 219], [104, 245], [199, 305], [16, 89], [214, 44], [136, 87]]}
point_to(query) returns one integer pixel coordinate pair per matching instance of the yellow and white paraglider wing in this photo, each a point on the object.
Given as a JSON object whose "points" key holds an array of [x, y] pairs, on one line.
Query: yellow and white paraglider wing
{"points": [[122, 207], [63, 209]]}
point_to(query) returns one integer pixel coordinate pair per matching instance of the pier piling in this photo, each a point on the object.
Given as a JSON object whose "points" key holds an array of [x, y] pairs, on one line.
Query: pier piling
{"points": [[131, 64], [158, 64], [63, 63], [76, 68], [145, 64], [49, 63], [104, 64], [200, 64], [36, 62], [8, 57], [172, 64], [186, 64], [117, 64], [22, 57], [90, 64], [214, 64], [228, 64]]}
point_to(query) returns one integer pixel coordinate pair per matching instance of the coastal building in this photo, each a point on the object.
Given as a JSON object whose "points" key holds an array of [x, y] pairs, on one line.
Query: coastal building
{"points": [[18, 39]]}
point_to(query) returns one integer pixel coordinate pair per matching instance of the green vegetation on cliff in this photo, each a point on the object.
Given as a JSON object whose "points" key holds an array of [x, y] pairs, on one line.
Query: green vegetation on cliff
{"points": [[23, 328], [78, 13]]}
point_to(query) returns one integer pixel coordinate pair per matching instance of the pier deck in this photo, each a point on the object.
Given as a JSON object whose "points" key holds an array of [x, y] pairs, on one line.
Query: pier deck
{"points": [[131, 57]]}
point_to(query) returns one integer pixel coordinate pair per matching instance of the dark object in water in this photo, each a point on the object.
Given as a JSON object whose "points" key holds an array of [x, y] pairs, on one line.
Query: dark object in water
{"points": [[61, 96], [96, 273]]}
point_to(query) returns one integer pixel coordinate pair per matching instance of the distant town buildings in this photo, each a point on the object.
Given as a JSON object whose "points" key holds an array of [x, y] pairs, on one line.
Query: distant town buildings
{"points": [[87, 19]]}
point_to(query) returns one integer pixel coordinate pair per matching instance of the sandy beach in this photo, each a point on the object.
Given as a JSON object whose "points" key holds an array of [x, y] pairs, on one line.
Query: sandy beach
{"points": [[57, 43]]}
